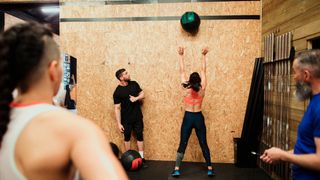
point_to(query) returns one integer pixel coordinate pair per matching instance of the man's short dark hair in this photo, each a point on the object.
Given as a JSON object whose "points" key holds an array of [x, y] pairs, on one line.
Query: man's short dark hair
{"points": [[119, 73]]}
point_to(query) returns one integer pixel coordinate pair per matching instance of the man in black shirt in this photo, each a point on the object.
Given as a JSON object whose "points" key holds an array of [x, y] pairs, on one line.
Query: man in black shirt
{"points": [[129, 117]]}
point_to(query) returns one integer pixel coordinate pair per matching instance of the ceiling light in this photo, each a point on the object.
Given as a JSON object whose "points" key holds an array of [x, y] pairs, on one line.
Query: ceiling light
{"points": [[50, 9]]}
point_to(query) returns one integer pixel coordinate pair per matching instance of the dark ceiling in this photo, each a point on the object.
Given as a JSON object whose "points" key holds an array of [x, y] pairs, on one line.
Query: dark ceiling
{"points": [[31, 11]]}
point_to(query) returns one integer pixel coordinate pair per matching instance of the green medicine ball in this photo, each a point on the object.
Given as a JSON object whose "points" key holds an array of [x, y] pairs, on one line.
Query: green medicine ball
{"points": [[190, 22]]}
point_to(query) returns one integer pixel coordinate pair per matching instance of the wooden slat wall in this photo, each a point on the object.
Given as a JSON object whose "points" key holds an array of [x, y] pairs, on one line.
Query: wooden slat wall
{"points": [[302, 18]]}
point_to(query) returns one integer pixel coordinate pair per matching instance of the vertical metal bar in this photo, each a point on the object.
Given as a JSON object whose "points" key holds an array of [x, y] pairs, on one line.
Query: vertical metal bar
{"points": [[286, 45], [288, 102], [277, 106], [268, 47], [266, 53], [269, 104], [276, 48], [282, 112], [289, 43], [272, 103], [272, 47], [282, 46], [264, 49]]}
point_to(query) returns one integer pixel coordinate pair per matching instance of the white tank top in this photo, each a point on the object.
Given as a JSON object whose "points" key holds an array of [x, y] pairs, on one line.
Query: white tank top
{"points": [[19, 118]]}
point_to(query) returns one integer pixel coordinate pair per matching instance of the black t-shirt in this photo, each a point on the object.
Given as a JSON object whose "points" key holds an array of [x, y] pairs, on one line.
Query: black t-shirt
{"points": [[129, 111]]}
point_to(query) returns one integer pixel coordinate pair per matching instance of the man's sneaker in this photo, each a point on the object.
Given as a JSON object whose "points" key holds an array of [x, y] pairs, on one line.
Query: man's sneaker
{"points": [[175, 173], [144, 163], [210, 172]]}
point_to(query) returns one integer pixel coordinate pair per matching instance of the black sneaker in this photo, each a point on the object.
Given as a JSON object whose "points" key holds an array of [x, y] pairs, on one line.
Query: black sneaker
{"points": [[144, 163]]}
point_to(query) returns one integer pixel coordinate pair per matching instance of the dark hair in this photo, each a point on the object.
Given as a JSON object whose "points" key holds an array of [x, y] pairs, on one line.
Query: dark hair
{"points": [[194, 82], [310, 59], [21, 52], [119, 73]]}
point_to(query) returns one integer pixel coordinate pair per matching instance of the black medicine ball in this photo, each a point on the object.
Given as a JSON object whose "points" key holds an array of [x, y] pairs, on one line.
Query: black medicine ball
{"points": [[131, 160], [190, 22]]}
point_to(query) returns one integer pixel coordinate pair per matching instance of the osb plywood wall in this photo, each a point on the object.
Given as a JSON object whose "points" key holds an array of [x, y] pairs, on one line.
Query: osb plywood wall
{"points": [[148, 50], [10, 21], [302, 18]]}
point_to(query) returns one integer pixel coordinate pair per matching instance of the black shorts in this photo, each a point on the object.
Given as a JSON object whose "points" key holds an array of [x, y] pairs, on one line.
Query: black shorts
{"points": [[135, 126]]}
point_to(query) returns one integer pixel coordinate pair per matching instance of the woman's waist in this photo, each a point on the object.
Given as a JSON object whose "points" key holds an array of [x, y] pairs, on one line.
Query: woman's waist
{"points": [[193, 112], [192, 108]]}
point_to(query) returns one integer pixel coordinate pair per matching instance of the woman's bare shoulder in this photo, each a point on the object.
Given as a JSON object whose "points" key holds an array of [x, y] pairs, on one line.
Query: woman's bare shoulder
{"points": [[63, 121]]}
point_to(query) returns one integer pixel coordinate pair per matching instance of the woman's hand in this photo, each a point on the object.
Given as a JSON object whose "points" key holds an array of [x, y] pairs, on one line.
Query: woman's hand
{"points": [[121, 128], [181, 51], [204, 51]]}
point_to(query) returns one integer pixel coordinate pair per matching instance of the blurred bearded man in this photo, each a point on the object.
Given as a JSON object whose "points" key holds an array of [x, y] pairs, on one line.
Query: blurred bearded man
{"points": [[305, 156]]}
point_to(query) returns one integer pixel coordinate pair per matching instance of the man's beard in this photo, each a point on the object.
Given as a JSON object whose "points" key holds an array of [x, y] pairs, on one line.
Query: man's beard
{"points": [[127, 80], [303, 91]]}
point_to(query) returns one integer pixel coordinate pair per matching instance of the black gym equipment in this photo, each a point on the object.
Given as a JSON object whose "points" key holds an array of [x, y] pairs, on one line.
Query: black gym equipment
{"points": [[252, 125], [131, 160], [190, 22], [115, 149]]}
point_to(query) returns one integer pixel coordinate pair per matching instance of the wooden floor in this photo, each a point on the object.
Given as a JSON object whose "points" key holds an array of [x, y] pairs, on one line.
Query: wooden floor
{"points": [[161, 170]]}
